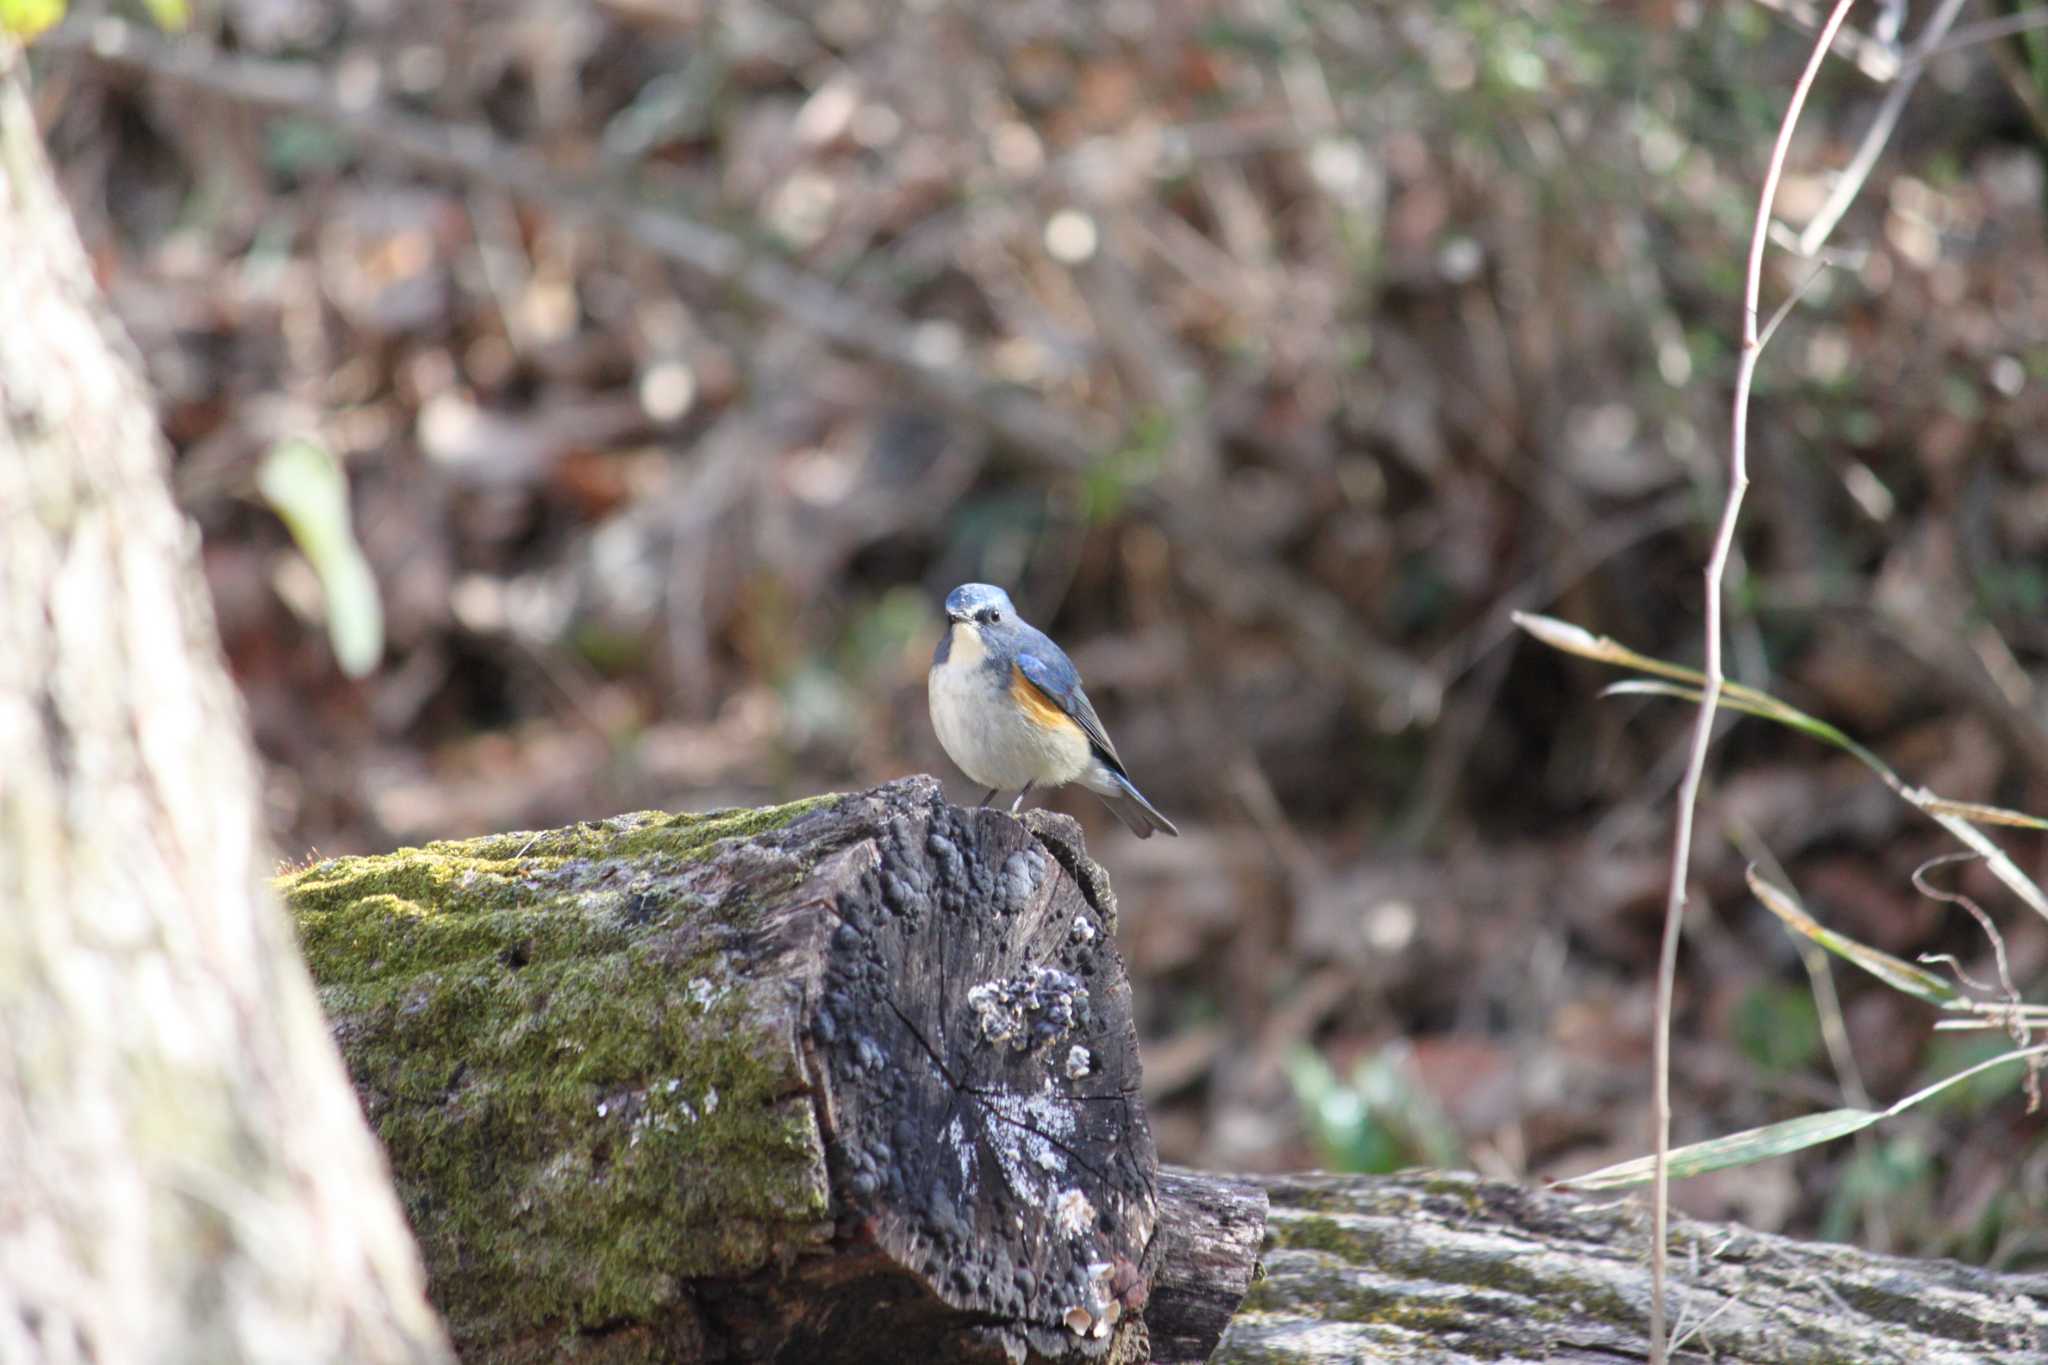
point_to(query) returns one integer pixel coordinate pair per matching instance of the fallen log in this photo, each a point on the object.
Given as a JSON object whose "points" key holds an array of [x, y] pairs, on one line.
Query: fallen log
{"points": [[850, 1079], [1450, 1269], [855, 1079]]}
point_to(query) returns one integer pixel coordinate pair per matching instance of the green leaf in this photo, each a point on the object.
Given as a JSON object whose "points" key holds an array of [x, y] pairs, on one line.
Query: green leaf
{"points": [[1737, 1149], [1110, 480], [1890, 1175], [1958, 818], [24, 19], [307, 487], [1778, 1139], [1897, 973], [1984, 1058], [1380, 1119], [1979, 814], [1339, 1120], [1968, 1073], [1750, 702]]}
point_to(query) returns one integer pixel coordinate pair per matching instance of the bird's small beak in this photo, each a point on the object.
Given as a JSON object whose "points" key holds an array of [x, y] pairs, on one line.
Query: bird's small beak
{"points": [[958, 618]]}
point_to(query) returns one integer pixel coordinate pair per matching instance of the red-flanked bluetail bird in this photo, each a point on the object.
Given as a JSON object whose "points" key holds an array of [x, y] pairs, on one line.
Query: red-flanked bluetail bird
{"points": [[1010, 711]]}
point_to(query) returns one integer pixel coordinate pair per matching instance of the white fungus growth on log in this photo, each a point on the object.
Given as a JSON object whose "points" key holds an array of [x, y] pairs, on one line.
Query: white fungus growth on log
{"points": [[1028, 1011], [1101, 1311], [1073, 1214]]}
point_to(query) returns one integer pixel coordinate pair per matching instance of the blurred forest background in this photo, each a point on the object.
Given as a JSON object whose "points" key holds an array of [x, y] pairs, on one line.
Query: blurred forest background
{"points": [[1271, 352]]}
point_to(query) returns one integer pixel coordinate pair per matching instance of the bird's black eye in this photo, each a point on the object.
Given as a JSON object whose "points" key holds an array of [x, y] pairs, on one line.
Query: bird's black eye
{"points": [[989, 616]]}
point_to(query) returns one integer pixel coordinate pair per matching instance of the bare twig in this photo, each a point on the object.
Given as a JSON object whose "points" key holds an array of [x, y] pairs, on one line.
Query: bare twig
{"points": [[1991, 30], [1874, 57], [1850, 183], [1933, 892], [1703, 730], [1784, 309]]}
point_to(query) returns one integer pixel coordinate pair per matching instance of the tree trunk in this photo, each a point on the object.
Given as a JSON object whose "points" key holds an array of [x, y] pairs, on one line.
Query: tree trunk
{"points": [[184, 1175], [1450, 1268]]}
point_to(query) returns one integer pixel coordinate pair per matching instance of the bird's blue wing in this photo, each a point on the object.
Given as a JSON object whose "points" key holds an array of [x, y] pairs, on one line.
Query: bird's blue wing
{"points": [[1049, 670]]}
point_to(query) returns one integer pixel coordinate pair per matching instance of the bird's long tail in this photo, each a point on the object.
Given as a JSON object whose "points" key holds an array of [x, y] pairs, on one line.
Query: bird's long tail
{"points": [[1131, 807]]}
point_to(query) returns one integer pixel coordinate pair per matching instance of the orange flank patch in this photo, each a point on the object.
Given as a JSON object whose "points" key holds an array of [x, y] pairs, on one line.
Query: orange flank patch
{"points": [[1038, 708]]}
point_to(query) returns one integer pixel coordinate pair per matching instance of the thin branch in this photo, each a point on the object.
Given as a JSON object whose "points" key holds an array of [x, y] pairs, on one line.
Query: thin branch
{"points": [[1689, 788], [1784, 309], [1850, 183], [1874, 57], [2017, 1027], [1991, 30]]}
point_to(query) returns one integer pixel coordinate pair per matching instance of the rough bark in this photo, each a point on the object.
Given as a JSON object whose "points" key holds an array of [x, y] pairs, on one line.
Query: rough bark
{"points": [[686, 1088], [852, 1079], [1452, 1268], [1210, 1232], [184, 1174]]}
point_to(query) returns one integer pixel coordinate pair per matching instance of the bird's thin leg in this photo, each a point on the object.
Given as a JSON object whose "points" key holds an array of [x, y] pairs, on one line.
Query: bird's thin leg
{"points": [[1020, 798], [990, 797]]}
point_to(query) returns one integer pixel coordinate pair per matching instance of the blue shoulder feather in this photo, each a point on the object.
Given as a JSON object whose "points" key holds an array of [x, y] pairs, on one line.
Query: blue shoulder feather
{"points": [[1046, 667]]}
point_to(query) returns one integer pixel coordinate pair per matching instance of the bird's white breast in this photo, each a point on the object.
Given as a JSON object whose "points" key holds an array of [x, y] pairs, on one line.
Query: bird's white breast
{"points": [[984, 731]]}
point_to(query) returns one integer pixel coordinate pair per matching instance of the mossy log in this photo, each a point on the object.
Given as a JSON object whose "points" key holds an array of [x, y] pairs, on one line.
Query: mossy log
{"points": [[850, 1079], [855, 1080], [1453, 1269]]}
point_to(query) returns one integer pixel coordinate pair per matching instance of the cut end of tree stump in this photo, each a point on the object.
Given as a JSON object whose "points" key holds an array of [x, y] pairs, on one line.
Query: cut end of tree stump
{"points": [[979, 1069], [854, 1079]]}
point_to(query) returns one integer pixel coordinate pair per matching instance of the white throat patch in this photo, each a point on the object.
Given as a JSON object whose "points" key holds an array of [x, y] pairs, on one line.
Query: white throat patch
{"points": [[967, 650]]}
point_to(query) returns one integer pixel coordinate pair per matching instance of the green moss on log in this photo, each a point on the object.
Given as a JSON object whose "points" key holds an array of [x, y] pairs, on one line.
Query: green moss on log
{"points": [[1418, 1288], [581, 1107]]}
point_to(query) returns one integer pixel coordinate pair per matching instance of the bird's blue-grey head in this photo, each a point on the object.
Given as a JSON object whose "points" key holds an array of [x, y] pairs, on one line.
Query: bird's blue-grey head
{"points": [[982, 603], [983, 614]]}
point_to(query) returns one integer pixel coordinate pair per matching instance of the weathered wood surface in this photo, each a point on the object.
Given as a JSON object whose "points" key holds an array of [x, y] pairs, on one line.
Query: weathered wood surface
{"points": [[1210, 1231], [854, 1079], [1450, 1269], [184, 1174]]}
